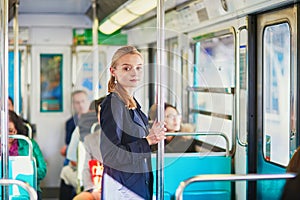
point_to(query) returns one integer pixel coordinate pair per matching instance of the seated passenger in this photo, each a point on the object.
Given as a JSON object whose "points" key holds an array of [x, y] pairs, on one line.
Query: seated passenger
{"points": [[71, 179], [80, 104], [175, 144], [291, 188], [92, 182], [21, 147], [33, 128]]}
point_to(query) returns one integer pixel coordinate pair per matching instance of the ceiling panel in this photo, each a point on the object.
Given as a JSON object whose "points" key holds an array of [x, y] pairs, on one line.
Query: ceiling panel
{"points": [[105, 7], [54, 6]]}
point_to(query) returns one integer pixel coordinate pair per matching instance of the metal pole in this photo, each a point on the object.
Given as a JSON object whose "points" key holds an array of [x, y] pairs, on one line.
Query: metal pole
{"points": [[27, 99], [16, 60], [95, 51], [4, 94], [160, 96]]}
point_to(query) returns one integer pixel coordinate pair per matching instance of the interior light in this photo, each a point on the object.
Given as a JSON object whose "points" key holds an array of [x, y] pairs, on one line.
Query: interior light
{"points": [[108, 27], [123, 17], [141, 7], [127, 14]]}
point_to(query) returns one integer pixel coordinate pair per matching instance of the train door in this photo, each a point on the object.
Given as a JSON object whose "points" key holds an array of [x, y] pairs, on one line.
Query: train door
{"points": [[18, 80], [276, 99], [220, 89], [50, 103]]}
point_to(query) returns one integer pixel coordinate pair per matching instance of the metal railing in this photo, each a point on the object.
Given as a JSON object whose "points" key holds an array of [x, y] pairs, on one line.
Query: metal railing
{"points": [[32, 193], [94, 126], [22, 137], [204, 133], [229, 177], [29, 130], [27, 139]]}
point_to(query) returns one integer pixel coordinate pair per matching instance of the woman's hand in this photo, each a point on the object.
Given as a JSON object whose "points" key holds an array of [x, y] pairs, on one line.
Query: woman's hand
{"points": [[157, 133]]}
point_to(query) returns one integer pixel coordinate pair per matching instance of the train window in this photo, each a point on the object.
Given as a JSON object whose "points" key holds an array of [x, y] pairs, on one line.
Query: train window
{"points": [[51, 83], [214, 76], [173, 70], [84, 75], [276, 93], [215, 59]]}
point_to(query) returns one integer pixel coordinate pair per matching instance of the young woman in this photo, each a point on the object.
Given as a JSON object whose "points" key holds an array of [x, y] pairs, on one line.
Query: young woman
{"points": [[21, 147], [125, 137]]}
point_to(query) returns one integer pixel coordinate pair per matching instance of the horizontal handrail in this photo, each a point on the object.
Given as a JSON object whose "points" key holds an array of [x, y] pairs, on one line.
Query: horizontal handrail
{"points": [[32, 193], [228, 90], [22, 137], [229, 177], [203, 133], [211, 114], [94, 126]]}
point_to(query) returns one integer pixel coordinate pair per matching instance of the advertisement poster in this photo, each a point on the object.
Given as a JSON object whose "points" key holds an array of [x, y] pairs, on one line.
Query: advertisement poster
{"points": [[51, 83]]}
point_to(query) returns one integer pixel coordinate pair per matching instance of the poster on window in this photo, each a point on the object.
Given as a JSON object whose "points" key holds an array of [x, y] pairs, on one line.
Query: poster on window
{"points": [[51, 83]]}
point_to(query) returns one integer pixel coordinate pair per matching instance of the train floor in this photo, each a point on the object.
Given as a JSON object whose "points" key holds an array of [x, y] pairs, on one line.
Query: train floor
{"points": [[50, 193]]}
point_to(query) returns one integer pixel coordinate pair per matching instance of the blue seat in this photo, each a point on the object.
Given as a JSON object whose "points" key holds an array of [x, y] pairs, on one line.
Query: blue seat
{"points": [[21, 168], [179, 167]]}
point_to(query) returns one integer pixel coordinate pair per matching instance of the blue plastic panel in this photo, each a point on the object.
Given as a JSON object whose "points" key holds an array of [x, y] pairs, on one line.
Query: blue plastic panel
{"points": [[179, 167]]}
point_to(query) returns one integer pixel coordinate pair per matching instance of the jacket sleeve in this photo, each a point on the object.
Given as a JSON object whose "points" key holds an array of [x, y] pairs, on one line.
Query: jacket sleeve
{"points": [[73, 146], [115, 153], [40, 161], [86, 174]]}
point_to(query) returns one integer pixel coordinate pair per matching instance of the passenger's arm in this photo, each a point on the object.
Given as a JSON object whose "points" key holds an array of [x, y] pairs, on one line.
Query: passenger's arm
{"points": [[86, 174], [72, 148], [114, 153], [40, 161]]}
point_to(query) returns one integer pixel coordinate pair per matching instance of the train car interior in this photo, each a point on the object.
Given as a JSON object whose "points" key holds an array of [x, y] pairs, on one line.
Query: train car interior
{"points": [[229, 67]]}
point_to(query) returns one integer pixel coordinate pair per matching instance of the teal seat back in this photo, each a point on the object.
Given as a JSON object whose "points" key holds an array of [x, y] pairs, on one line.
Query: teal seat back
{"points": [[179, 167], [21, 168]]}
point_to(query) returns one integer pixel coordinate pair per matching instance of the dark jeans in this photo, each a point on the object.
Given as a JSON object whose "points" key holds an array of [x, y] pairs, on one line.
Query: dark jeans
{"points": [[66, 192], [39, 194]]}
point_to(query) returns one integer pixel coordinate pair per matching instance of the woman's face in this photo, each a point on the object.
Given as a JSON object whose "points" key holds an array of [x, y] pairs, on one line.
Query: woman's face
{"points": [[11, 130], [129, 71], [172, 119]]}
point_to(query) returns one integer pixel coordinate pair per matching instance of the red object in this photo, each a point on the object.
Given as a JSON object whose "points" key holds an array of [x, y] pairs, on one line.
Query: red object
{"points": [[96, 169]]}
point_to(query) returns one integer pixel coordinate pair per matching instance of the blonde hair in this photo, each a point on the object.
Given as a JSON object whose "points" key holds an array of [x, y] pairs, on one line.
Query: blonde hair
{"points": [[116, 87]]}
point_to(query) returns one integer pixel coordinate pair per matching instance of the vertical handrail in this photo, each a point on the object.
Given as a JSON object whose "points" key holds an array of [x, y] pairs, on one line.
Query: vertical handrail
{"points": [[238, 138], [95, 50], [160, 96], [29, 129], [4, 92], [16, 59]]}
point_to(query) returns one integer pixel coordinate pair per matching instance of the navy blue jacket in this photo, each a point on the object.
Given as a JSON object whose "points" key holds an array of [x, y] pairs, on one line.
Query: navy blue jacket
{"points": [[124, 148], [70, 126]]}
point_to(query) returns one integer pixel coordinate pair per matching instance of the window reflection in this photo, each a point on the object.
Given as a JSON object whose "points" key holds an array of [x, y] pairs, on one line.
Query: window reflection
{"points": [[276, 92]]}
